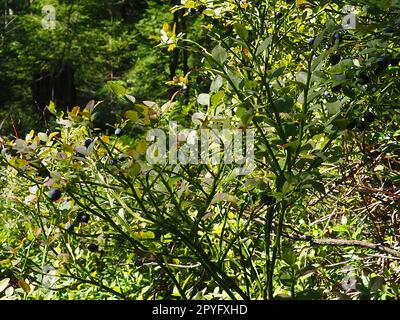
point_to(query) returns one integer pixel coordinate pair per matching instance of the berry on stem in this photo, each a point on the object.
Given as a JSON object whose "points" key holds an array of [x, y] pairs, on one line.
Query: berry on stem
{"points": [[54, 194], [93, 247], [118, 132]]}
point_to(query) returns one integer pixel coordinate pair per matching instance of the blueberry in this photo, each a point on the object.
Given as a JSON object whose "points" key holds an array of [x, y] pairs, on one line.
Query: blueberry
{"points": [[139, 261], [192, 11], [118, 132], [364, 79], [93, 247], [202, 7], [88, 142], [69, 226], [337, 88], [297, 59], [382, 63], [310, 41], [79, 155], [388, 30], [122, 157], [279, 15], [54, 194], [327, 95], [337, 36], [83, 217], [43, 173], [267, 199], [335, 59], [369, 117]]}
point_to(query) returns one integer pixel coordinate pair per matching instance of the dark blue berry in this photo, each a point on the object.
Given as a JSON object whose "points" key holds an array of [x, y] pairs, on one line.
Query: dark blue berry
{"points": [[43, 173], [335, 59], [337, 36], [139, 261], [118, 132], [279, 15], [54, 194], [310, 41], [369, 117], [267, 199], [88, 142], [202, 7], [93, 247], [83, 217], [388, 30], [69, 226]]}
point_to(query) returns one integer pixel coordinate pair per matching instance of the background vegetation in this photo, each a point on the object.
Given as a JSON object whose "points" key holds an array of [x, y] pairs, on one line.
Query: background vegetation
{"points": [[84, 216]]}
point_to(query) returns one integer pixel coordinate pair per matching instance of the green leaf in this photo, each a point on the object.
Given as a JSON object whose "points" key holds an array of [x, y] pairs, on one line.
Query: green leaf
{"points": [[288, 254], [241, 31], [278, 72], [132, 115], [263, 46], [301, 77], [219, 54], [318, 186], [309, 294], [217, 98], [284, 104], [216, 84], [204, 99], [118, 89], [52, 107], [333, 107], [130, 98], [4, 283]]}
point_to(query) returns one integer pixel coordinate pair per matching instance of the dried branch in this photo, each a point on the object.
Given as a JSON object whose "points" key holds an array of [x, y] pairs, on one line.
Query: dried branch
{"points": [[345, 243]]}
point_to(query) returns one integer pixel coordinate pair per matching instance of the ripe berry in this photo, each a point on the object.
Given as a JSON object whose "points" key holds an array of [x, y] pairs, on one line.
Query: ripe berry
{"points": [[79, 155], [69, 226], [88, 142], [139, 261], [337, 88], [310, 41], [364, 79], [202, 7], [388, 30], [369, 117], [43, 173], [93, 247], [337, 36], [267, 199], [54, 194], [382, 63], [83, 217], [279, 15], [335, 59], [118, 132], [192, 11]]}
